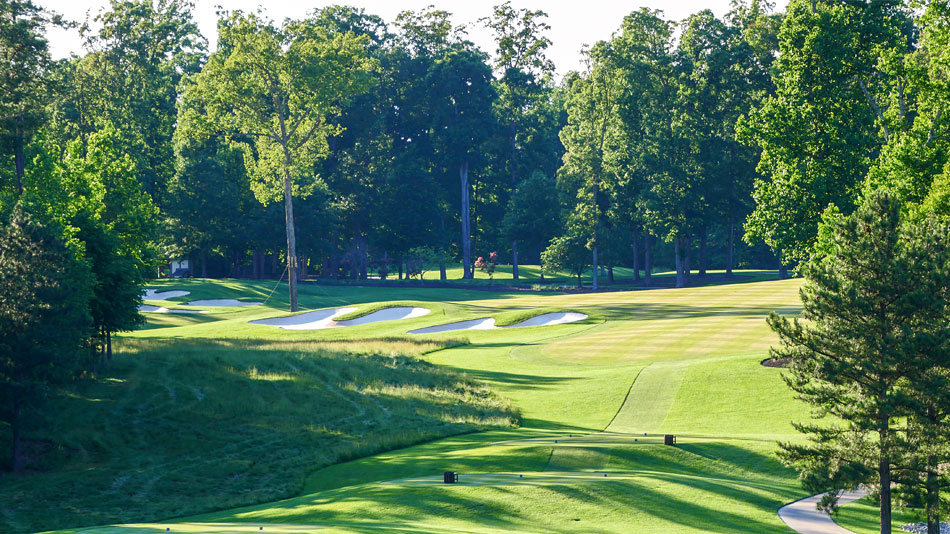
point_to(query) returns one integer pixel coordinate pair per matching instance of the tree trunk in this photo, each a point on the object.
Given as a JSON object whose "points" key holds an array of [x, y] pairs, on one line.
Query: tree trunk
{"points": [[688, 256], [363, 258], [444, 247], [289, 216], [580, 284], [731, 254], [514, 259], [204, 263], [677, 252], [610, 274], [933, 483], [884, 472], [15, 424], [636, 255], [702, 252], [512, 137], [594, 270], [782, 272], [647, 264], [18, 155], [466, 223], [108, 346], [594, 248], [933, 498]]}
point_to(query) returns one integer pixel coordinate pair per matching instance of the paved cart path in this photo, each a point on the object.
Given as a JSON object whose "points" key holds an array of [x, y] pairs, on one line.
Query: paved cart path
{"points": [[802, 516]]}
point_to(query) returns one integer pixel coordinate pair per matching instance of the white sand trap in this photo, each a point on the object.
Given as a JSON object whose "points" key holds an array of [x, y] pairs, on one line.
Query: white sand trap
{"points": [[385, 314], [473, 324], [306, 321], [320, 319], [147, 308], [154, 294], [546, 319], [221, 303]]}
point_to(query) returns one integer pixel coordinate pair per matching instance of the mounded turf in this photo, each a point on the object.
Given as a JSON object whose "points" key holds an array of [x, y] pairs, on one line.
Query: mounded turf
{"points": [[662, 361]]}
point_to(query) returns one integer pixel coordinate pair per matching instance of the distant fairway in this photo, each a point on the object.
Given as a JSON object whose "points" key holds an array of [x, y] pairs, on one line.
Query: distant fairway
{"points": [[663, 361]]}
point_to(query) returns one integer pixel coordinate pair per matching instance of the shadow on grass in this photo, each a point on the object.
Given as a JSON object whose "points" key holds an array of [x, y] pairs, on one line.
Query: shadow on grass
{"points": [[651, 311], [166, 320], [704, 501], [174, 428]]}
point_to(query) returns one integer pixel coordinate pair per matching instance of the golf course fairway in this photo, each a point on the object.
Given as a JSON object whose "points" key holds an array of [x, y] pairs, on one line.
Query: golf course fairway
{"points": [[594, 398]]}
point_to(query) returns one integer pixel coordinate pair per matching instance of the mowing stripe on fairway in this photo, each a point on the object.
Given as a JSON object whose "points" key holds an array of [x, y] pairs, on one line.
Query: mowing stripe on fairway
{"points": [[650, 398]]}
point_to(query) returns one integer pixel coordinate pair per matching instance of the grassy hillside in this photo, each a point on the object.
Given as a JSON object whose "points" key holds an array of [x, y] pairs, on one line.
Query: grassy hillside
{"points": [[594, 397], [178, 427]]}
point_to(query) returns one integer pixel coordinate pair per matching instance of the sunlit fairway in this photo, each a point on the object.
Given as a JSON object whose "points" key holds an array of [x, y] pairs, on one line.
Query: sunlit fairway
{"points": [[644, 363]]}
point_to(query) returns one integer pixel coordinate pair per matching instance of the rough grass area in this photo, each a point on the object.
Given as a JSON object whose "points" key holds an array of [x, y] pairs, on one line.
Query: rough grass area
{"points": [[179, 427]]}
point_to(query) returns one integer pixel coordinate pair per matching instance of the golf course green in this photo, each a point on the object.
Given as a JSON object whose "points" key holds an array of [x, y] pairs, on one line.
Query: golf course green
{"points": [[551, 428]]}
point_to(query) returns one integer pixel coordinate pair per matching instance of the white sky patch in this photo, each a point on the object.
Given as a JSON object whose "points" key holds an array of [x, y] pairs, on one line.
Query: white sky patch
{"points": [[573, 24]]}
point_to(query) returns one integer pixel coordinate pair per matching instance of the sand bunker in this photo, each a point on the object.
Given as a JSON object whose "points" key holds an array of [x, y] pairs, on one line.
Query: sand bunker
{"points": [[385, 314], [306, 321], [154, 294], [220, 303], [320, 319], [473, 324], [158, 309], [546, 319]]}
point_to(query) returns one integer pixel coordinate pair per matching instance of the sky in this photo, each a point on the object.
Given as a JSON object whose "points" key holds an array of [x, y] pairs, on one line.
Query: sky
{"points": [[573, 23]]}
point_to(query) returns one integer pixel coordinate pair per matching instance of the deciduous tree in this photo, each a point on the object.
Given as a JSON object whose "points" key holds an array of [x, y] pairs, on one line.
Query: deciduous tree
{"points": [[277, 90]]}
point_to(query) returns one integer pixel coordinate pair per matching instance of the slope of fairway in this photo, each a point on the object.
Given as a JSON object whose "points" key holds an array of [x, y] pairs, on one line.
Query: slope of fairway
{"points": [[173, 428], [650, 398], [645, 362]]}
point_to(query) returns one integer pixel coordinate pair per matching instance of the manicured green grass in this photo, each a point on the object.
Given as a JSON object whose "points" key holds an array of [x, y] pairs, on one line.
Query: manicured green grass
{"points": [[531, 274], [665, 361], [864, 517]]}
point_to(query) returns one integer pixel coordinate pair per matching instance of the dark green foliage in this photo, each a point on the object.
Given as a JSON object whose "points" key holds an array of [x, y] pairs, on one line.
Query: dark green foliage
{"points": [[25, 86], [44, 319], [872, 330], [532, 214], [567, 252], [117, 290]]}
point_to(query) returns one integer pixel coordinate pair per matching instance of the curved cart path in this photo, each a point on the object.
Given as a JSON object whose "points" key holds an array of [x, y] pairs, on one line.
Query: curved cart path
{"points": [[802, 516]]}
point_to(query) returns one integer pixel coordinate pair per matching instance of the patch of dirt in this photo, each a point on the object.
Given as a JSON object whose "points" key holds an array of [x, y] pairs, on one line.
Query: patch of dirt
{"points": [[776, 362]]}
